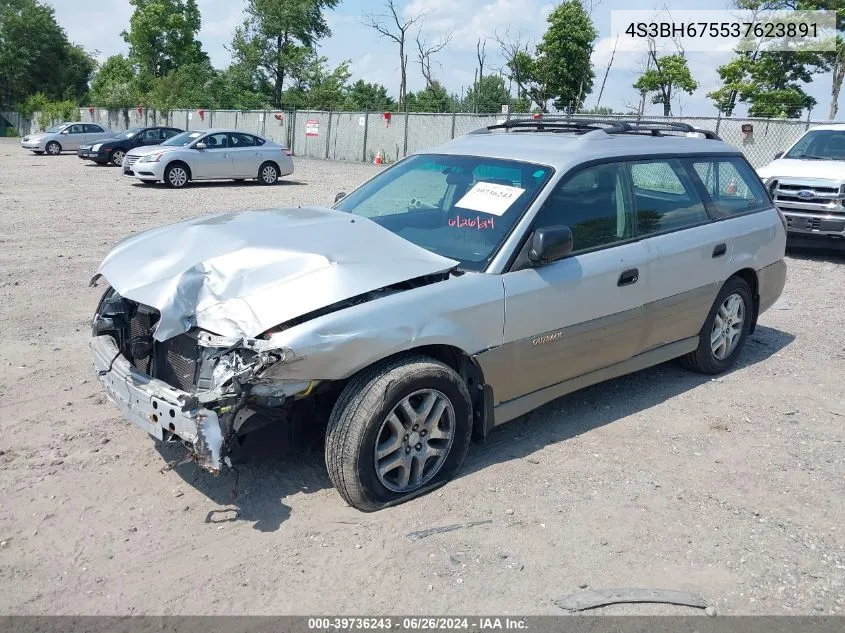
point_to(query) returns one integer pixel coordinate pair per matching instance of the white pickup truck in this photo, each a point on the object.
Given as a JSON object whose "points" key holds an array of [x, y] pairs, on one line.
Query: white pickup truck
{"points": [[807, 183]]}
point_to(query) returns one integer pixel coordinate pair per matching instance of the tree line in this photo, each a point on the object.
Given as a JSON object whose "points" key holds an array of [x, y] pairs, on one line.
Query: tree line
{"points": [[276, 65]]}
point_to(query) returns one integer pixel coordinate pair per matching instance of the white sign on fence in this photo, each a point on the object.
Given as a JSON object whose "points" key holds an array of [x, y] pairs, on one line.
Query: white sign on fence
{"points": [[312, 127], [505, 108], [362, 121]]}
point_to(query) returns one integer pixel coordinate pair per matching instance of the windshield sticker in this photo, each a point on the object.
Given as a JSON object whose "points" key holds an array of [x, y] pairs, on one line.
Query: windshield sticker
{"points": [[488, 197], [472, 223]]}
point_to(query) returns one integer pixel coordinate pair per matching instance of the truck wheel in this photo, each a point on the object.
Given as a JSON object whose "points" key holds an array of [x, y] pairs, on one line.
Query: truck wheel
{"points": [[398, 429], [724, 332]]}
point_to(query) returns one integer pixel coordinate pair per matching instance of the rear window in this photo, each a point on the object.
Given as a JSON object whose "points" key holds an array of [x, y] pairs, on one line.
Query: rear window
{"points": [[733, 187]]}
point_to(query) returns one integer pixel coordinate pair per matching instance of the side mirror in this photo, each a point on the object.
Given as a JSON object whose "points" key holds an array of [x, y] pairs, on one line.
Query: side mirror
{"points": [[65, 132], [340, 196], [550, 244], [200, 146], [778, 155]]}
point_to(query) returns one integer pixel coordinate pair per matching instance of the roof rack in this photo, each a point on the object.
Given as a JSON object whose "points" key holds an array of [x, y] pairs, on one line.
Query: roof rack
{"points": [[552, 124], [585, 126]]}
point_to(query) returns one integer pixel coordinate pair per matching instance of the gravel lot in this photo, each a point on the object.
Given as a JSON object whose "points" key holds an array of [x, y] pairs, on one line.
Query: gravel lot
{"points": [[733, 488]]}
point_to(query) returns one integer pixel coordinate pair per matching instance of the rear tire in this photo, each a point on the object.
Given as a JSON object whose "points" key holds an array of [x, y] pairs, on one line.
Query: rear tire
{"points": [[53, 148], [268, 174], [398, 429], [176, 176], [724, 332]]}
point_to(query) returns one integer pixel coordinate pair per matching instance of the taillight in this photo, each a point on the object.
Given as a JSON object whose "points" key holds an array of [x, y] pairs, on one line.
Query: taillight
{"points": [[287, 151]]}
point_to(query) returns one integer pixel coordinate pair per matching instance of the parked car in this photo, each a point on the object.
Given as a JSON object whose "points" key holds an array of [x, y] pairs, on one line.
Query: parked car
{"points": [[210, 155], [112, 150], [807, 183], [456, 290], [64, 137]]}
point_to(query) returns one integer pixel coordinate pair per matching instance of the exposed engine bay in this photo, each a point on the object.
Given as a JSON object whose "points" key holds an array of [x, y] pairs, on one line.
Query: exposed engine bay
{"points": [[221, 375]]}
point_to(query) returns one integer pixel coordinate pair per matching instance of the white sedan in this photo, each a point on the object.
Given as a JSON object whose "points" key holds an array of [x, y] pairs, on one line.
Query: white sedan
{"points": [[210, 155], [65, 137]]}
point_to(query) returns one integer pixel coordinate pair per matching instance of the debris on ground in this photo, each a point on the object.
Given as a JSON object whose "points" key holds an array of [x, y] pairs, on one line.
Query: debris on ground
{"points": [[416, 536], [584, 600]]}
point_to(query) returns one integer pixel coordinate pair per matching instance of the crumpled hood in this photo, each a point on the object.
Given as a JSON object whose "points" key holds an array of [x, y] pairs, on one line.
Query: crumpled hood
{"points": [[239, 274], [802, 168]]}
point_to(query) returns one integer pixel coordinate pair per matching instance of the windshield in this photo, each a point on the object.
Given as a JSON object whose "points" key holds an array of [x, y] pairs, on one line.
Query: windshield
{"points": [[55, 128], [130, 132], [182, 139], [461, 207], [819, 145]]}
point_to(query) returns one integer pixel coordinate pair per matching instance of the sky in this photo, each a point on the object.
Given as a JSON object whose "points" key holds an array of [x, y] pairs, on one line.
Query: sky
{"points": [[96, 25]]}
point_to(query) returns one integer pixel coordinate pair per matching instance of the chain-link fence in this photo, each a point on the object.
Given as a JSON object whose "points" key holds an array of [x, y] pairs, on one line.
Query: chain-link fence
{"points": [[368, 136]]}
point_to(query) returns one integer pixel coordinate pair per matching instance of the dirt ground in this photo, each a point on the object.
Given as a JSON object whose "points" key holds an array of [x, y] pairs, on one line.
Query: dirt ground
{"points": [[732, 488]]}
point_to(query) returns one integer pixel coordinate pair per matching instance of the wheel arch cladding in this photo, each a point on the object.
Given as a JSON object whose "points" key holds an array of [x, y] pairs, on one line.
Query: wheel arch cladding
{"points": [[749, 276]]}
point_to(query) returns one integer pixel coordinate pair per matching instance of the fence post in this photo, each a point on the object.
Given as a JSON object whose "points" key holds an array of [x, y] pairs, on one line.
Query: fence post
{"points": [[186, 120], [807, 125], [236, 119], [453, 124], [264, 123], [718, 122], [366, 130], [328, 134], [211, 118], [292, 131], [405, 140]]}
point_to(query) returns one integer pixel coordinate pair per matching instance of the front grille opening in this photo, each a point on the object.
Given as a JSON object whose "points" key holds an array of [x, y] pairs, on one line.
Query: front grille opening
{"points": [[174, 361]]}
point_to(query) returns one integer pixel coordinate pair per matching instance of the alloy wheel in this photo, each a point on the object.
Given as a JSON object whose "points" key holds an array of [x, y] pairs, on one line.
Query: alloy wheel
{"points": [[727, 326], [414, 440]]}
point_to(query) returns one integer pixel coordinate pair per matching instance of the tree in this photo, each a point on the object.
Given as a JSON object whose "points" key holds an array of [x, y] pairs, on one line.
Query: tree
{"points": [[487, 95], [277, 36], [114, 86], [367, 96], [668, 74], [162, 37], [319, 88], [36, 56], [398, 32], [563, 56], [426, 52], [769, 82], [835, 60], [434, 98]]}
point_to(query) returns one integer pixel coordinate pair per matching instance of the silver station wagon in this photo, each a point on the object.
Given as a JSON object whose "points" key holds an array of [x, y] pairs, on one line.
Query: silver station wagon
{"points": [[454, 291]]}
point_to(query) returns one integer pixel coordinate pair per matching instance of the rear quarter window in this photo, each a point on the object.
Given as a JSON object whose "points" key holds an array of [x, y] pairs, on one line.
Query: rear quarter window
{"points": [[733, 187]]}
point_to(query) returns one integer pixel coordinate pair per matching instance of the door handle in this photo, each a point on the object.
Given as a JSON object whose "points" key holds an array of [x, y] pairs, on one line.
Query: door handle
{"points": [[225, 156], [628, 277], [719, 250]]}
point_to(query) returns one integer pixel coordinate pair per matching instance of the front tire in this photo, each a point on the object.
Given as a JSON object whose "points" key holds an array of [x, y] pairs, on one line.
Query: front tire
{"points": [[116, 157], [268, 174], [53, 148], [176, 176], [398, 429], [724, 332]]}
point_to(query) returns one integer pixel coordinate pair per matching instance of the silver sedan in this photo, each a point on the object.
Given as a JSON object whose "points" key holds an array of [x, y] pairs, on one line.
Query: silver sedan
{"points": [[210, 155], [65, 137]]}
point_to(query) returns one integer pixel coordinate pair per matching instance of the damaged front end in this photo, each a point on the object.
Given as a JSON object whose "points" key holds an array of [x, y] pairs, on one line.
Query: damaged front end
{"points": [[197, 388]]}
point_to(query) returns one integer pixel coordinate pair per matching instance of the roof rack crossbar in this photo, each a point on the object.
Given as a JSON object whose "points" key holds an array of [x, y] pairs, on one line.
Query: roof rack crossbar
{"points": [[569, 124], [554, 124]]}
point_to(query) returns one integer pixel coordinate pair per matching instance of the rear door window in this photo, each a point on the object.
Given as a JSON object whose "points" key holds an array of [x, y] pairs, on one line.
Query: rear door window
{"points": [[665, 197], [237, 139], [93, 129], [731, 184]]}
